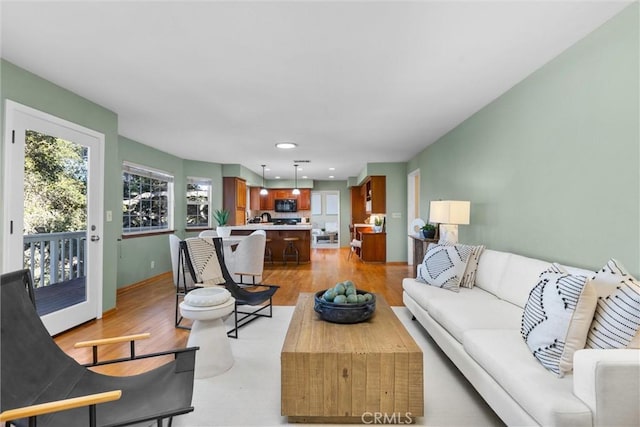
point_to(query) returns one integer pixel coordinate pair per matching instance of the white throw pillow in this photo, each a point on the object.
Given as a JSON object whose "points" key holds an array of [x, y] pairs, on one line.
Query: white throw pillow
{"points": [[469, 277], [444, 265], [616, 323], [555, 322]]}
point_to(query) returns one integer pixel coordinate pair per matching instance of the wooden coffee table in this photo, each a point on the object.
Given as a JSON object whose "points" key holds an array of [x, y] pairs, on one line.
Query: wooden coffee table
{"points": [[334, 373]]}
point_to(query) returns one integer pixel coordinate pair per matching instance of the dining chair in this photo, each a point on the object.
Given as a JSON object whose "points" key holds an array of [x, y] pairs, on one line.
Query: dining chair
{"points": [[248, 258]]}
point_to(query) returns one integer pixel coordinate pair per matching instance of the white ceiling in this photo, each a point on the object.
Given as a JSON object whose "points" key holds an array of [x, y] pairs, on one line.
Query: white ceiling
{"points": [[351, 82]]}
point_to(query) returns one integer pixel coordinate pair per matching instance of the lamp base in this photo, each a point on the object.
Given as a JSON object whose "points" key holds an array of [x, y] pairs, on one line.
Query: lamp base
{"points": [[448, 233]]}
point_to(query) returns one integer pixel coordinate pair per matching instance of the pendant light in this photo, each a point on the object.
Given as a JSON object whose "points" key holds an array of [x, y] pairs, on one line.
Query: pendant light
{"points": [[296, 191], [263, 191]]}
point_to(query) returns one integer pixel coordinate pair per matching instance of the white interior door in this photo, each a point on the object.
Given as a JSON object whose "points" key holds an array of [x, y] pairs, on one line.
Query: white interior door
{"points": [[53, 204]]}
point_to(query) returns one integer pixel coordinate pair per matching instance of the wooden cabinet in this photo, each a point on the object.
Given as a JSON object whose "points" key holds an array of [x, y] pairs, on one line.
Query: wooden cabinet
{"points": [[374, 246], [304, 200], [267, 201], [234, 199], [375, 195], [254, 199], [357, 206], [283, 194]]}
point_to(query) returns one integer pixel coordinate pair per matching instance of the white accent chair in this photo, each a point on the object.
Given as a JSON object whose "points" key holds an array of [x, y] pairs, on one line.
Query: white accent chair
{"points": [[208, 233], [355, 245], [248, 258]]}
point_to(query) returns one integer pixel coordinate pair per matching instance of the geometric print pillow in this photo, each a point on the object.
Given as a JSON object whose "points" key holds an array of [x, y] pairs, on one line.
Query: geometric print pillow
{"points": [[444, 265], [616, 323], [469, 277], [556, 318]]}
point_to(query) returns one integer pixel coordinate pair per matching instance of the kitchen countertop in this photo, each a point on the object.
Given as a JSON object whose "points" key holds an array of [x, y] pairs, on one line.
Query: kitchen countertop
{"points": [[271, 226]]}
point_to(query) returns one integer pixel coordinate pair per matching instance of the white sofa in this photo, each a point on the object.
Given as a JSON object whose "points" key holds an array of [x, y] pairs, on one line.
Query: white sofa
{"points": [[479, 330]]}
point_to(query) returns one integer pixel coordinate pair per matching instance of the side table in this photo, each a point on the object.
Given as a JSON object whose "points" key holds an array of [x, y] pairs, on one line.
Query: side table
{"points": [[209, 333]]}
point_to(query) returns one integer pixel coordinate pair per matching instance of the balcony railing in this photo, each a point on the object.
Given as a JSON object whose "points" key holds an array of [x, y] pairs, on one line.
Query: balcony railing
{"points": [[55, 257]]}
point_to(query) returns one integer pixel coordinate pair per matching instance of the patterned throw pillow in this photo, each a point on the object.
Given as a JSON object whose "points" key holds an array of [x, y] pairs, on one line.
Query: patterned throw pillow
{"points": [[616, 323], [469, 276], [444, 265], [556, 318]]}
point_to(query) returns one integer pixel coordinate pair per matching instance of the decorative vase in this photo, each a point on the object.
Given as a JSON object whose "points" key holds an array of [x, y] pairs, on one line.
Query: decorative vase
{"points": [[429, 234], [377, 228], [223, 231]]}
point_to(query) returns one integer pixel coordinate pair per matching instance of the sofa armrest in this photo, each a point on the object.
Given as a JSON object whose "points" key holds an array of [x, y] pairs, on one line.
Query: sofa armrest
{"points": [[608, 381]]}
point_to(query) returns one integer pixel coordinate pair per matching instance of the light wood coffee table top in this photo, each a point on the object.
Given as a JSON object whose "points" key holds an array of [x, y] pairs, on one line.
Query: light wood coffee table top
{"points": [[340, 373]]}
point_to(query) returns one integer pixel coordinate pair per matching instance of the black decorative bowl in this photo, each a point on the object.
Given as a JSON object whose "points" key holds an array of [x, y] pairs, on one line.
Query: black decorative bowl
{"points": [[344, 313]]}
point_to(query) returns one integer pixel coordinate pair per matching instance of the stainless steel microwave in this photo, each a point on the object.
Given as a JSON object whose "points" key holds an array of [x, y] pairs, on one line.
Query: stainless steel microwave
{"points": [[286, 205]]}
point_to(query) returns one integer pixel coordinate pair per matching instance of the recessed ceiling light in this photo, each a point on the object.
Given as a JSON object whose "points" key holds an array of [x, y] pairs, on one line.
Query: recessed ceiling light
{"points": [[277, 177], [332, 169], [299, 168], [331, 176], [305, 176], [267, 169], [286, 145]]}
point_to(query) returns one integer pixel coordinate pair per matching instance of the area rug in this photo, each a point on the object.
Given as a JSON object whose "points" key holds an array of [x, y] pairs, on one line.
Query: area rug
{"points": [[249, 393]]}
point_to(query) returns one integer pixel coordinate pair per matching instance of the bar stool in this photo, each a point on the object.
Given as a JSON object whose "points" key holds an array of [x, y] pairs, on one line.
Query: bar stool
{"points": [[268, 255], [290, 250]]}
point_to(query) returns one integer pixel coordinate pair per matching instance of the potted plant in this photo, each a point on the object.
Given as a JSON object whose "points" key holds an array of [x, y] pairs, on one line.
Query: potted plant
{"points": [[428, 231], [222, 217], [377, 224]]}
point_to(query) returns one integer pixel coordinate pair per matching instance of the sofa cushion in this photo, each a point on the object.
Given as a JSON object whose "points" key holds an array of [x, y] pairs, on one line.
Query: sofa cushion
{"points": [[424, 295], [616, 323], [547, 398], [474, 311], [444, 265], [519, 277], [556, 318], [491, 266]]}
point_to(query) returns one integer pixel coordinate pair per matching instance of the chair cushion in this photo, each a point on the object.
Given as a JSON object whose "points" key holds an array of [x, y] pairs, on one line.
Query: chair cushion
{"points": [[207, 297]]}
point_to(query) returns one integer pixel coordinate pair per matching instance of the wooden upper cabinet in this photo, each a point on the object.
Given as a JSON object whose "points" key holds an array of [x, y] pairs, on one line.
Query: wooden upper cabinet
{"points": [[283, 194], [241, 193], [254, 199], [304, 200], [267, 201], [357, 205], [375, 195], [234, 199]]}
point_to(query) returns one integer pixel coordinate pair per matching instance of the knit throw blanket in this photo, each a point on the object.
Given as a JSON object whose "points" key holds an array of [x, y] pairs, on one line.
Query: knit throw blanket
{"points": [[205, 261]]}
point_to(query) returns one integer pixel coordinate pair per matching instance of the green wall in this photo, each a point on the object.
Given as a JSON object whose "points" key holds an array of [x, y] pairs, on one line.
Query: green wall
{"points": [[135, 254], [28, 89], [552, 167]]}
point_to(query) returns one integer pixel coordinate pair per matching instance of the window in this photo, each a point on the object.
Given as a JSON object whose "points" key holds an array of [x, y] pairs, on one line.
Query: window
{"points": [[147, 201], [198, 199]]}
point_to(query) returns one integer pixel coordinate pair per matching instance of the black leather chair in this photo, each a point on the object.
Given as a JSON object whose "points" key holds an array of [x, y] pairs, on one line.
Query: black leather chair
{"points": [[34, 371], [251, 302]]}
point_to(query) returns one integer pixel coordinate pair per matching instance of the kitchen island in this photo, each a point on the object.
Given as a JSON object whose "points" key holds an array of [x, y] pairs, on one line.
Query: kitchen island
{"points": [[277, 233]]}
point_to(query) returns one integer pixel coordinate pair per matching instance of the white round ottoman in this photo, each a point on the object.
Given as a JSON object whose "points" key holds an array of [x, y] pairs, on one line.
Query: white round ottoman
{"points": [[206, 307]]}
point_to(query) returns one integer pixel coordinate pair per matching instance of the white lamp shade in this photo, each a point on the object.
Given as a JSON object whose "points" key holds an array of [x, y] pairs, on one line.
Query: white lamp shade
{"points": [[449, 211]]}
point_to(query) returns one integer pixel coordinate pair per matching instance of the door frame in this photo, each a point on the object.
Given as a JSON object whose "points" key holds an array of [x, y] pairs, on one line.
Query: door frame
{"points": [[16, 117], [413, 209]]}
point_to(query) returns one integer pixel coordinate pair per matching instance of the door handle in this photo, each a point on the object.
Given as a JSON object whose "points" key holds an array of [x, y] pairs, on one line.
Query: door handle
{"points": [[95, 238]]}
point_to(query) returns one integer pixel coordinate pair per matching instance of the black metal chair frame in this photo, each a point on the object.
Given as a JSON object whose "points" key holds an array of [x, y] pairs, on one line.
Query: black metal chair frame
{"points": [[155, 395], [244, 297]]}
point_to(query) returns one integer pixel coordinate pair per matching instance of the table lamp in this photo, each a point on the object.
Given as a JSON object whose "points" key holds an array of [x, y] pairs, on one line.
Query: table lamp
{"points": [[449, 214]]}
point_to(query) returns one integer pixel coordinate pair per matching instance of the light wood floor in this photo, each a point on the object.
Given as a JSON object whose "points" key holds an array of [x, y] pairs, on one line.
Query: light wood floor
{"points": [[149, 307]]}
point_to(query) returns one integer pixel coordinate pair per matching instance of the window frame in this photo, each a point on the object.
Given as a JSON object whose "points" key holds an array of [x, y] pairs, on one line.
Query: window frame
{"points": [[194, 180], [151, 174]]}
